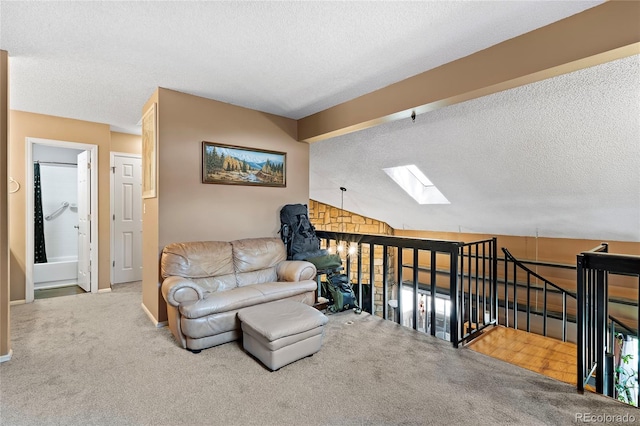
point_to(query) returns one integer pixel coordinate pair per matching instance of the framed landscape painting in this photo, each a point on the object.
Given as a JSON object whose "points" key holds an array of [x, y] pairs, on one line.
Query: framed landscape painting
{"points": [[235, 165], [149, 153]]}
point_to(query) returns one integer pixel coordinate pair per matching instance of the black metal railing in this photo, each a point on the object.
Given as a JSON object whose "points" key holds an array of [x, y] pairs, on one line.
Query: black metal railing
{"points": [[465, 276], [469, 274], [596, 329], [513, 269], [478, 287]]}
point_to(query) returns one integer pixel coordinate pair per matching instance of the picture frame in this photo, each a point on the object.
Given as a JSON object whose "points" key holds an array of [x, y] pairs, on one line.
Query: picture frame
{"points": [[149, 152], [236, 165]]}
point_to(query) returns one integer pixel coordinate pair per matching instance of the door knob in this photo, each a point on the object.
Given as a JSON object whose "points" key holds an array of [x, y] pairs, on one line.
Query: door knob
{"points": [[76, 226]]}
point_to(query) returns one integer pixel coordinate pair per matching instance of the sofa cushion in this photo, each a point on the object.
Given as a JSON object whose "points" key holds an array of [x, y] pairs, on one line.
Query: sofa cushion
{"points": [[210, 325], [217, 283], [257, 277], [241, 297], [255, 259], [276, 290], [201, 259], [222, 301]]}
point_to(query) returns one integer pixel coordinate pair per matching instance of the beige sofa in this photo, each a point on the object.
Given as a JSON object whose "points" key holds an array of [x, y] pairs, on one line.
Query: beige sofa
{"points": [[206, 283]]}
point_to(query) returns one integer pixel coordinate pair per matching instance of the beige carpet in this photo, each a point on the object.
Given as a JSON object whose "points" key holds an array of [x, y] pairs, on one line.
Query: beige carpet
{"points": [[97, 360]]}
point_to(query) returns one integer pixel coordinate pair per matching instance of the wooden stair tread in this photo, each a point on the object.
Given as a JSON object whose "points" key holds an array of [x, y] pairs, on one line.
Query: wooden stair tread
{"points": [[544, 355]]}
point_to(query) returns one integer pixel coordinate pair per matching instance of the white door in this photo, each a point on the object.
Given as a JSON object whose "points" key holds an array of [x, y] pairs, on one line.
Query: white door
{"points": [[127, 219], [84, 221]]}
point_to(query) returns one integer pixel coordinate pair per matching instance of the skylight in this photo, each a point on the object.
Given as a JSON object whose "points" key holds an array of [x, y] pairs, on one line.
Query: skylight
{"points": [[415, 183]]}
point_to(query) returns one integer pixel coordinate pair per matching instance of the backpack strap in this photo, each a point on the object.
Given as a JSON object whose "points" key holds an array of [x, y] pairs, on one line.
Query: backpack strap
{"points": [[307, 227], [285, 235]]}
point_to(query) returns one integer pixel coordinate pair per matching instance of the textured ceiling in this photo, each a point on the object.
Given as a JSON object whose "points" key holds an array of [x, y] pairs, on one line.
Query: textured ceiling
{"points": [[100, 61], [559, 157]]}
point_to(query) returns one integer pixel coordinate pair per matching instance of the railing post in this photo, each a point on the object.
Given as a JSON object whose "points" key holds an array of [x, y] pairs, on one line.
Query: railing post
{"points": [[564, 317], [515, 296], [453, 295], [372, 279], [580, 322], [385, 281], [608, 377], [494, 254], [601, 331], [528, 308], [477, 298], [591, 317], [359, 274], [469, 307], [399, 308], [506, 291], [544, 309], [415, 289], [461, 288], [432, 314], [484, 282]]}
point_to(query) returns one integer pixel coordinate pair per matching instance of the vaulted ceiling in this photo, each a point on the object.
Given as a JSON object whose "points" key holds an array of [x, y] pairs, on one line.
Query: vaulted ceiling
{"points": [[557, 156]]}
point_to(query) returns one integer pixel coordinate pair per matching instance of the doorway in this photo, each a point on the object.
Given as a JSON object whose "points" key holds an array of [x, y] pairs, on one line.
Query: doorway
{"points": [[126, 217], [61, 216]]}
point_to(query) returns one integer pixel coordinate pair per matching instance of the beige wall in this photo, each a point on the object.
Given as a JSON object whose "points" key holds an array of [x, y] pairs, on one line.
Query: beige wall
{"points": [[189, 210], [23, 125], [124, 142], [151, 299], [5, 331]]}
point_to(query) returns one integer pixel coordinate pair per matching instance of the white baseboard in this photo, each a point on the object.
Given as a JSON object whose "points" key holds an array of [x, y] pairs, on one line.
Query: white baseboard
{"points": [[150, 315], [17, 302], [7, 357], [104, 290]]}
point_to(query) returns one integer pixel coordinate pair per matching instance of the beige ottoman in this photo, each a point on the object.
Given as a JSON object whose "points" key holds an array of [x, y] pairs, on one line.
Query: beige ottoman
{"points": [[279, 333]]}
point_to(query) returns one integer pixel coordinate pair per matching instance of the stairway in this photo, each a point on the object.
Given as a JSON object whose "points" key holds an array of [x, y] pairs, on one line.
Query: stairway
{"points": [[545, 355]]}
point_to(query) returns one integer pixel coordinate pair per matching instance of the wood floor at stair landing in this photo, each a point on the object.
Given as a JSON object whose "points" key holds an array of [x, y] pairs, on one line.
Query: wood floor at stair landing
{"points": [[544, 355]]}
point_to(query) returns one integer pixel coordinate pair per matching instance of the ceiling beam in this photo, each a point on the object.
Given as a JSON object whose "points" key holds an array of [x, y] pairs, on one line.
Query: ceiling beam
{"points": [[601, 34]]}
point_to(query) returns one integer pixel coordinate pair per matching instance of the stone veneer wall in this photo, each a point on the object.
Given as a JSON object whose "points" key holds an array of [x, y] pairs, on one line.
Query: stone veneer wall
{"points": [[328, 218]]}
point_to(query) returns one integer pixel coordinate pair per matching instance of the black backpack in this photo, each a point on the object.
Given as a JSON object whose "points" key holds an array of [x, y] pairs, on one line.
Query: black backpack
{"points": [[298, 234]]}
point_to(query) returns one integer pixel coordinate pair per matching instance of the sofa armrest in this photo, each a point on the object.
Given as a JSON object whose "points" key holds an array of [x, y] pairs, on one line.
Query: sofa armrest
{"points": [[177, 290], [295, 270]]}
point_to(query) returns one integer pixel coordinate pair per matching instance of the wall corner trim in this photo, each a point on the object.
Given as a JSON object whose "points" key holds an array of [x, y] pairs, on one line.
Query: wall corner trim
{"points": [[7, 357], [157, 323]]}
